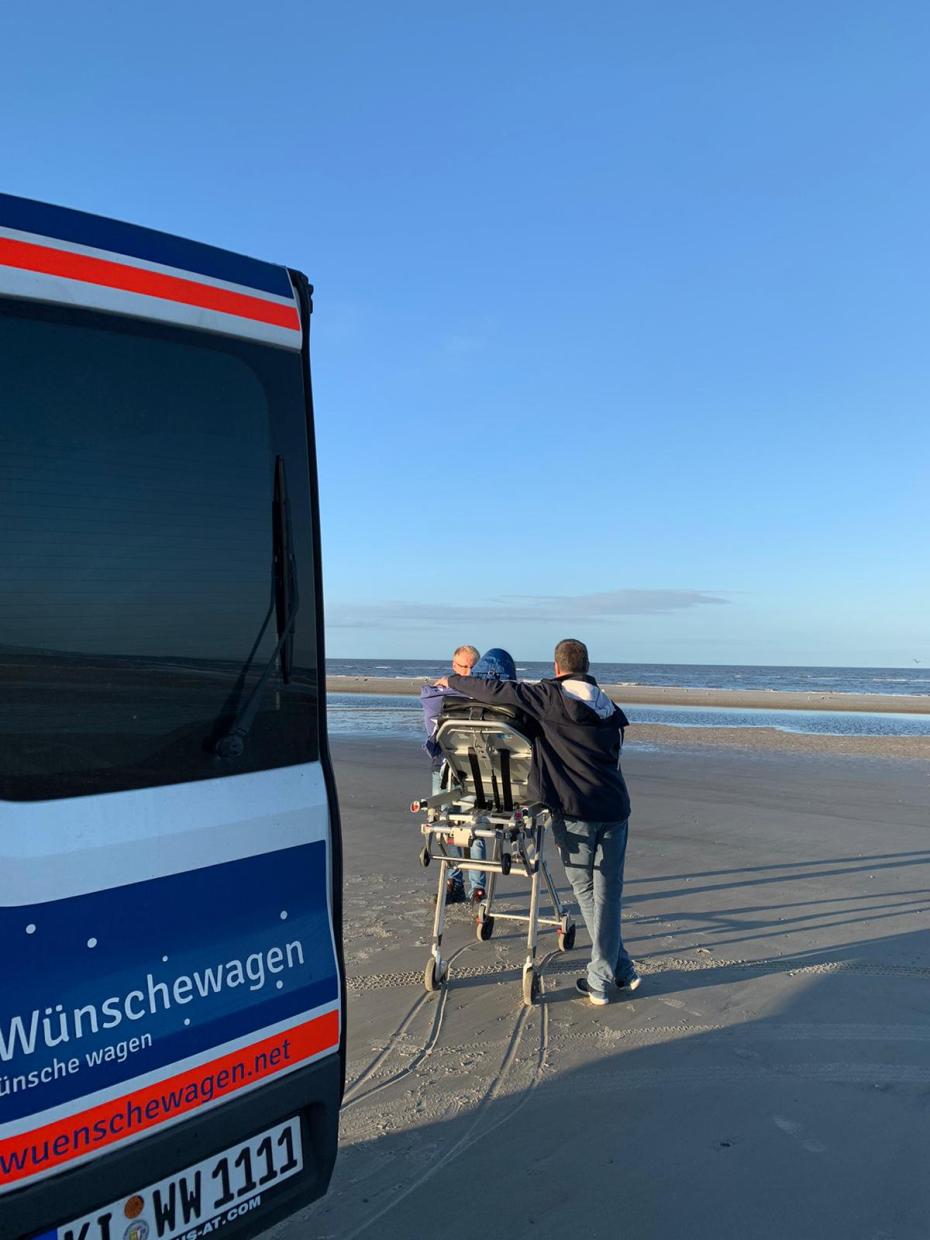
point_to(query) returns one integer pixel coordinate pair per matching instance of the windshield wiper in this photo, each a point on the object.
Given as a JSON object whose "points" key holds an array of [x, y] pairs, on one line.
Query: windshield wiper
{"points": [[285, 602]]}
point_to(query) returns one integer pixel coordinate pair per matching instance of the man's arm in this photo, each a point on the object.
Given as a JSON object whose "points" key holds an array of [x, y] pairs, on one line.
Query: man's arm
{"points": [[530, 698]]}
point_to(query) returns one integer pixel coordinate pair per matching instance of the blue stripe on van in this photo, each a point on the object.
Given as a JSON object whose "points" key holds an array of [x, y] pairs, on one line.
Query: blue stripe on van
{"points": [[250, 940], [131, 241]]}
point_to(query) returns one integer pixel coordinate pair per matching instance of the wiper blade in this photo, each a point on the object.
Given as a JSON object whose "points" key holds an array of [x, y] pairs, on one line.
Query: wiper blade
{"points": [[286, 599], [285, 603]]}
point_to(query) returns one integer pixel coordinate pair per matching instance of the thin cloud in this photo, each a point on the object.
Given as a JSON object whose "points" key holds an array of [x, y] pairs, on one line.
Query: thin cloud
{"points": [[609, 606]]}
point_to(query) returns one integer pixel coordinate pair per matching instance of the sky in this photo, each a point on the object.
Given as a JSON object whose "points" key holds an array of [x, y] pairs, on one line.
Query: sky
{"points": [[620, 309]]}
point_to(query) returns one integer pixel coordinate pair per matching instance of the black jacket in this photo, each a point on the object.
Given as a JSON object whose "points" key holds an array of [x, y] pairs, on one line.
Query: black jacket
{"points": [[576, 756]]}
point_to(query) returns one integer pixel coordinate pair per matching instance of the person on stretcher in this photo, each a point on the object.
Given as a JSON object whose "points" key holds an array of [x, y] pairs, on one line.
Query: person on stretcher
{"points": [[495, 664]]}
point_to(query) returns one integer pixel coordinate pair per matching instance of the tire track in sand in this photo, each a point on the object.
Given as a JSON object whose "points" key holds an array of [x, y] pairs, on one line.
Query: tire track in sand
{"points": [[351, 1096], [673, 964], [478, 1129]]}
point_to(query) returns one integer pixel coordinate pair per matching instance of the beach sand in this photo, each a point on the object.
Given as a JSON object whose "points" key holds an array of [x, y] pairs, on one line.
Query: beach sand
{"points": [[664, 695], [770, 1079]]}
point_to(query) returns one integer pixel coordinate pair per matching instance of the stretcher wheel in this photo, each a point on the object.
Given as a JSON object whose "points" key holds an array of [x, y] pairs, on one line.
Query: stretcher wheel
{"points": [[434, 977], [485, 928], [425, 857], [505, 863], [566, 939], [530, 986]]}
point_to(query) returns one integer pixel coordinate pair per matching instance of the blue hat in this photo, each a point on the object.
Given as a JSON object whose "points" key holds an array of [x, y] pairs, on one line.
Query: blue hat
{"points": [[495, 664]]}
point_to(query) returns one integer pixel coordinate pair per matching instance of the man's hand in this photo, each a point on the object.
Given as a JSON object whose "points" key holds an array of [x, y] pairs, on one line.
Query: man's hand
{"points": [[442, 682]]}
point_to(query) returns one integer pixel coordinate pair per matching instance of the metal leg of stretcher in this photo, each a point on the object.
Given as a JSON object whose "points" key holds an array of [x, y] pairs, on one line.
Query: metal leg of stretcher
{"points": [[530, 972], [557, 905], [492, 877], [566, 930], [436, 968]]}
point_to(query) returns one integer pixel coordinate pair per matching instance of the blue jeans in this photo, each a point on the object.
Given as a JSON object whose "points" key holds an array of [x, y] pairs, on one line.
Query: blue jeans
{"points": [[478, 853], [593, 854]]}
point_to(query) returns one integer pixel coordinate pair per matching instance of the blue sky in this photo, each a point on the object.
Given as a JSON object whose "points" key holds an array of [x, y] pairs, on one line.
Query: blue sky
{"points": [[621, 309]]}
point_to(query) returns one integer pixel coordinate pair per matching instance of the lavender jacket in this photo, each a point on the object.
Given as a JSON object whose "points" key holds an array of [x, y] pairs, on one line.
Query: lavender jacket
{"points": [[431, 700]]}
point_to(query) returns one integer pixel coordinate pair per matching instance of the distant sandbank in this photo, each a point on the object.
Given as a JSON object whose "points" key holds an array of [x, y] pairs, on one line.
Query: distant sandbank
{"points": [[776, 741], [664, 695]]}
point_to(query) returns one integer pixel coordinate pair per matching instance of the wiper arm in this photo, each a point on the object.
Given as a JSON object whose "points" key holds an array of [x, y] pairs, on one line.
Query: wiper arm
{"points": [[285, 603], [286, 599]]}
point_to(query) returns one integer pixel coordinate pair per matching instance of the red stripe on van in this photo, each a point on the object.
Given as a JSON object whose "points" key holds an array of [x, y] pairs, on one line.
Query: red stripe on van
{"points": [[101, 271]]}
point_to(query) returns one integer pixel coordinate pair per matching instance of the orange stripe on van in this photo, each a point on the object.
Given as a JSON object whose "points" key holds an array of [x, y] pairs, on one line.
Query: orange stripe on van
{"points": [[56, 1144]]}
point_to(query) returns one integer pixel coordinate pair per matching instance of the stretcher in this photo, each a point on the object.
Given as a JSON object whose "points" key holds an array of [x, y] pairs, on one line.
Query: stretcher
{"points": [[487, 752]]}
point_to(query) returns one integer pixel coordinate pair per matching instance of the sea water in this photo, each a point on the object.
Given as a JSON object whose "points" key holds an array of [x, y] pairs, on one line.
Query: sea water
{"points": [[897, 680], [396, 715]]}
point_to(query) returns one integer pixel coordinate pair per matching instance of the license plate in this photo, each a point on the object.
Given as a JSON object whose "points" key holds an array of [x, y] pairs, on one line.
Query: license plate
{"points": [[200, 1200]]}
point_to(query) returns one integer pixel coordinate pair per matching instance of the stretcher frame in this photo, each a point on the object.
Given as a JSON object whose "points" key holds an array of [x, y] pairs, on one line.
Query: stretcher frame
{"points": [[485, 797]]}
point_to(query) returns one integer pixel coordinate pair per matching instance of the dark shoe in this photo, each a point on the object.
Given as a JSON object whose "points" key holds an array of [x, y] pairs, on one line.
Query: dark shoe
{"points": [[478, 895], [455, 892], [599, 1000], [629, 983]]}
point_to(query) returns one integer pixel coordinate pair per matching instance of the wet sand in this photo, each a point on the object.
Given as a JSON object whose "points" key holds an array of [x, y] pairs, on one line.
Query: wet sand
{"points": [[770, 1079], [662, 695]]}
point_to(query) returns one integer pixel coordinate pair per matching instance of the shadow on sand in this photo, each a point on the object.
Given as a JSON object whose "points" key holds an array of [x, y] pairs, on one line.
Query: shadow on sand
{"points": [[785, 1098]]}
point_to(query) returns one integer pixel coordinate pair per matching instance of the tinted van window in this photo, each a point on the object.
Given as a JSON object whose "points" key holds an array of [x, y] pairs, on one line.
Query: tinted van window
{"points": [[137, 506]]}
